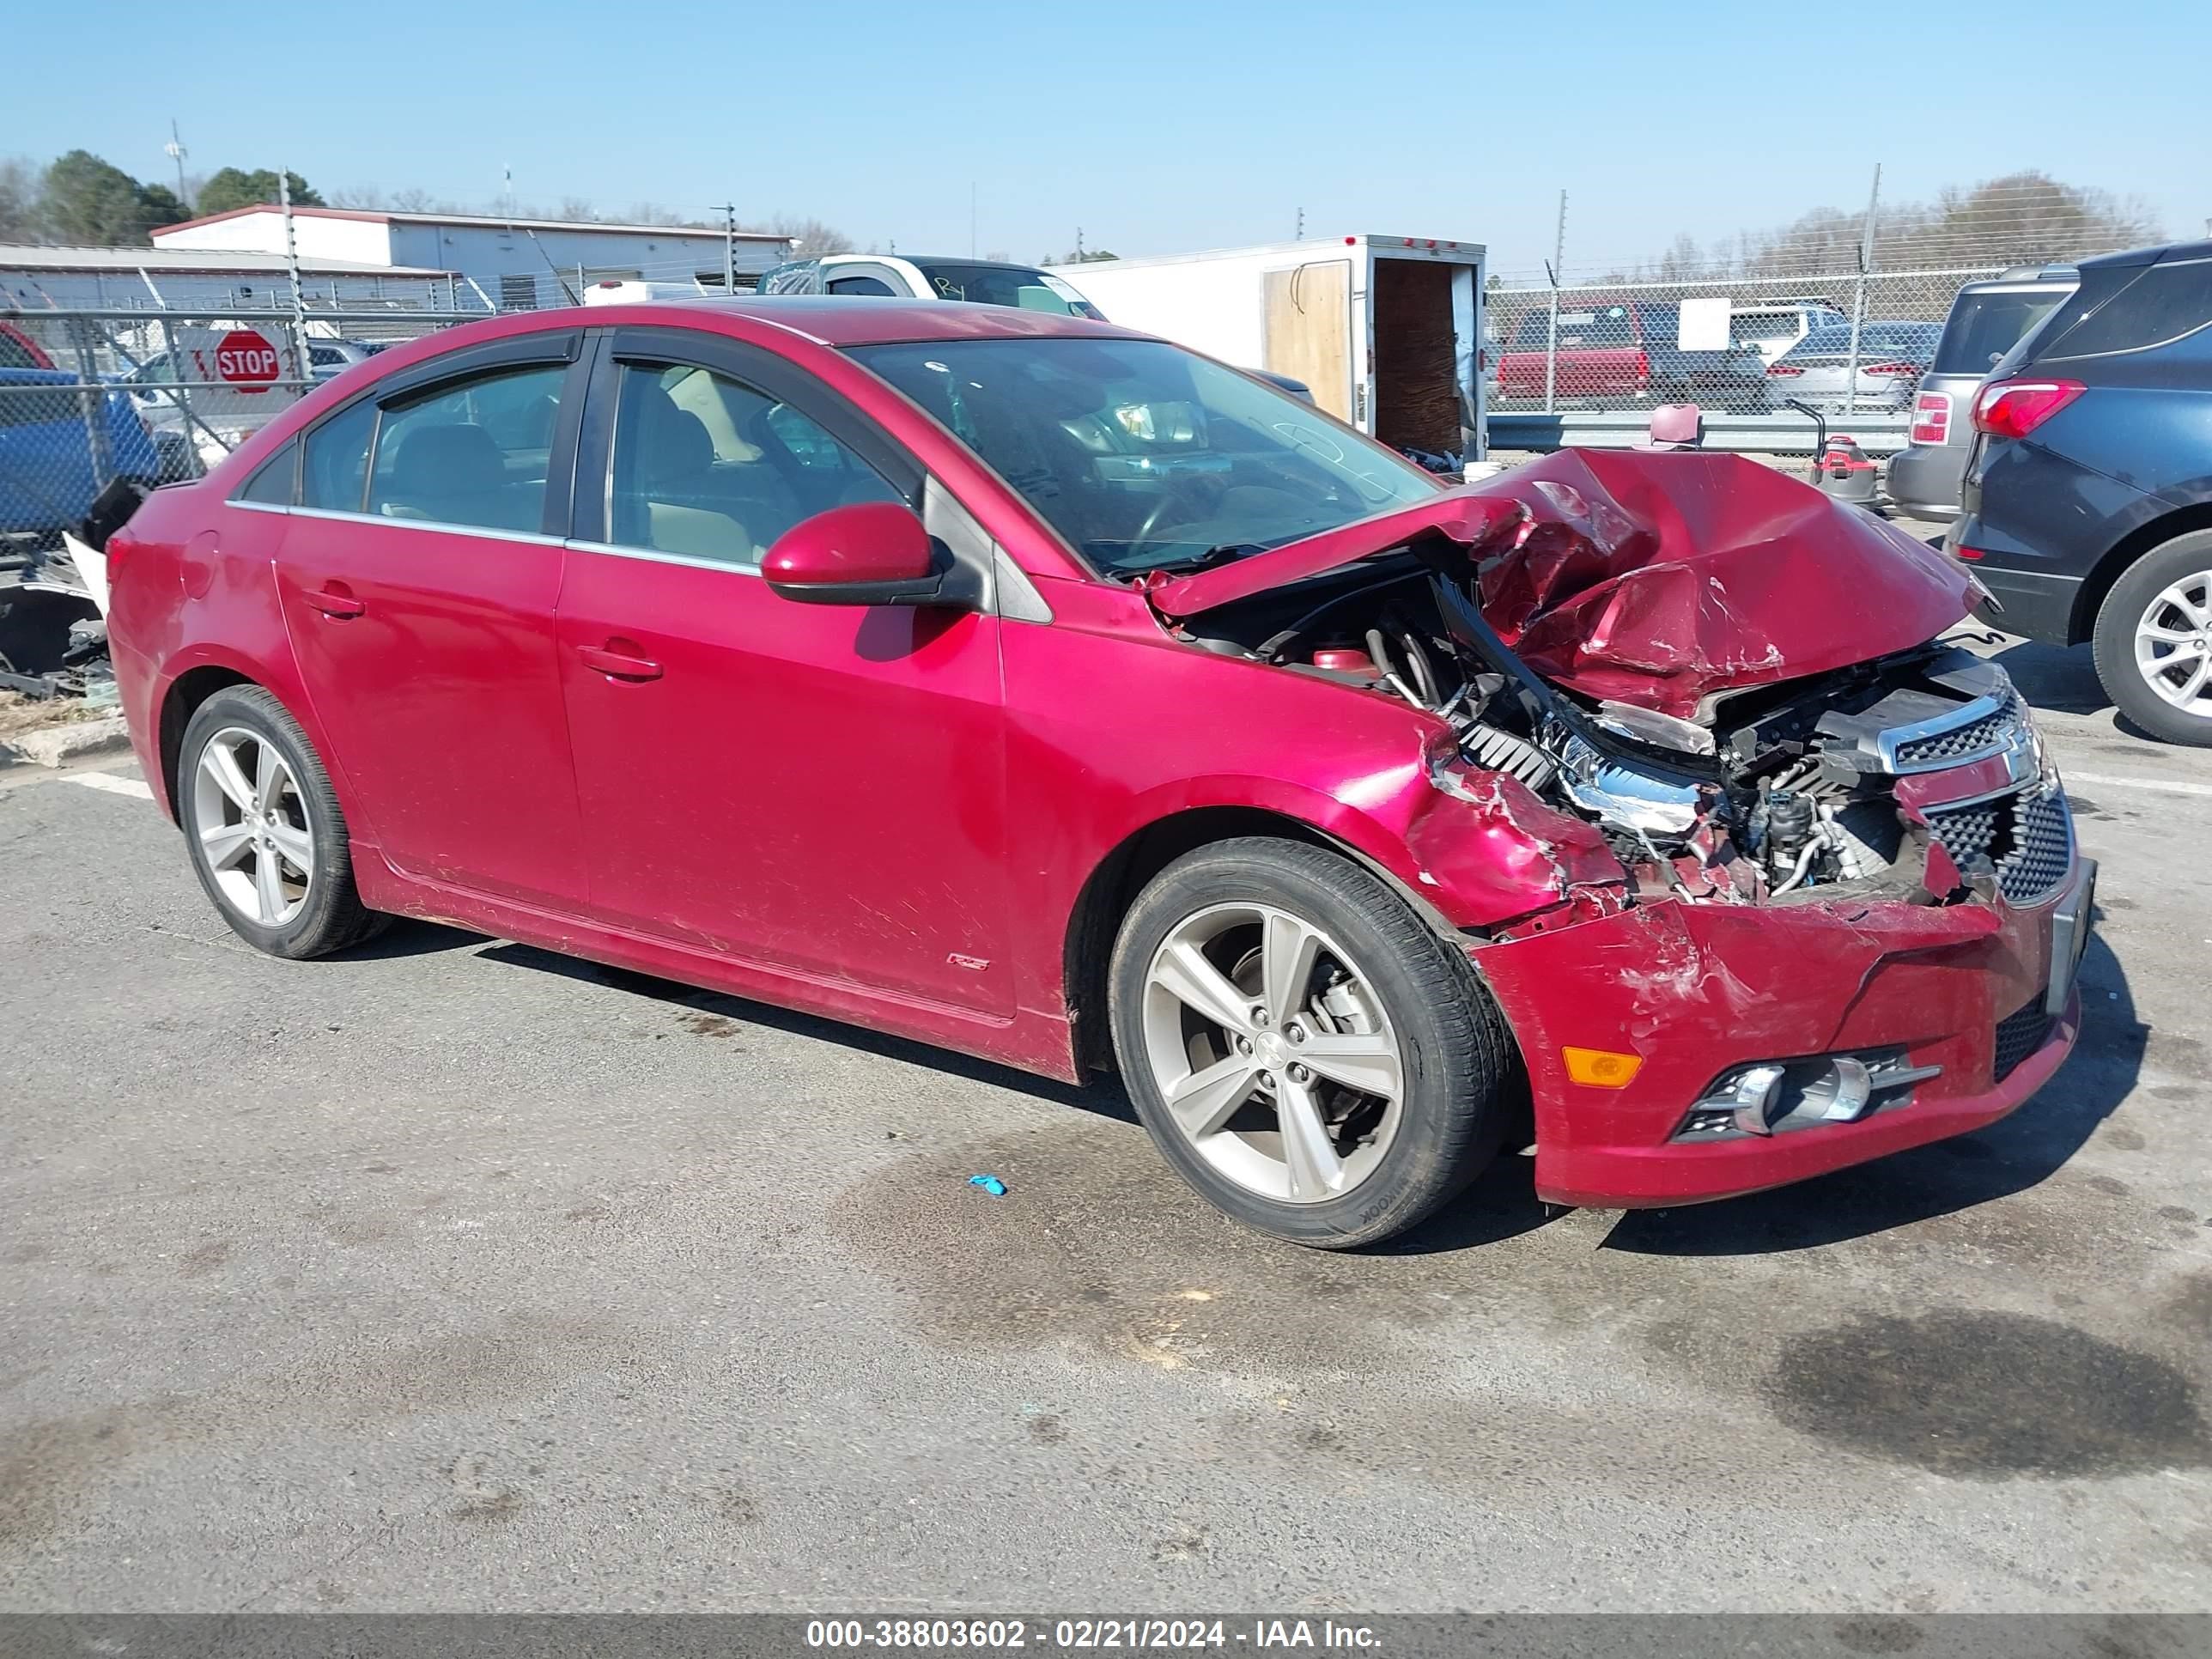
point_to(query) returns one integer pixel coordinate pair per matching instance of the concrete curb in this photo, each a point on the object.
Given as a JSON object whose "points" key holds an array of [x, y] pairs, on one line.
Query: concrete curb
{"points": [[57, 745]]}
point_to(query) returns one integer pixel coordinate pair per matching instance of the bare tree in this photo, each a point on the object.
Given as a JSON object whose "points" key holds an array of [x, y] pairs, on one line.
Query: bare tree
{"points": [[413, 199], [1682, 262], [19, 200], [367, 198], [578, 209], [812, 235]]}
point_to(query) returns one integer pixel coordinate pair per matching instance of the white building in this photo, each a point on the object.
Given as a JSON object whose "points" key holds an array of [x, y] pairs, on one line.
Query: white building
{"points": [[39, 278], [516, 263]]}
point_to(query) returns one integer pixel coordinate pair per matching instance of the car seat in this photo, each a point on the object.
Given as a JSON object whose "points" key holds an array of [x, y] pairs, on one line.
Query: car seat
{"points": [[454, 473]]}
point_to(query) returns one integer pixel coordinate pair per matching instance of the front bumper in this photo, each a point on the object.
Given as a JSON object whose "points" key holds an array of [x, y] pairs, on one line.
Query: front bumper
{"points": [[1698, 990]]}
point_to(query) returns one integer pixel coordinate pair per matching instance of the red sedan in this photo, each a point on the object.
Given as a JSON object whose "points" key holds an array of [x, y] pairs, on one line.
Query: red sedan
{"points": [[1034, 688]]}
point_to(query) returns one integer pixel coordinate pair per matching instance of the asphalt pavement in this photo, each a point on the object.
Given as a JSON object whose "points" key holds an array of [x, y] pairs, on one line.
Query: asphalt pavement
{"points": [[455, 1275]]}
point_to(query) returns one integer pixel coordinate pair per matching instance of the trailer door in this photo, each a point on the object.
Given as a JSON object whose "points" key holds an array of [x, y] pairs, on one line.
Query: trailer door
{"points": [[1308, 322]]}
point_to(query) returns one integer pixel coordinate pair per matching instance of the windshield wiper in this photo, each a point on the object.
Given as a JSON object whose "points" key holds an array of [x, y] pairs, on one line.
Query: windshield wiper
{"points": [[1221, 554]]}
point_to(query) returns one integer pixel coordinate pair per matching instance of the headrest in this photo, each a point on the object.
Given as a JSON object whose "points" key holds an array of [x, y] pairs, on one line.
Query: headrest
{"points": [[450, 458], [674, 442]]}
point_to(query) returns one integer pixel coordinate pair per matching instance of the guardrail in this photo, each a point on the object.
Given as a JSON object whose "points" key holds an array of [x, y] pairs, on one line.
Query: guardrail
{"points": [[1757, 435]]}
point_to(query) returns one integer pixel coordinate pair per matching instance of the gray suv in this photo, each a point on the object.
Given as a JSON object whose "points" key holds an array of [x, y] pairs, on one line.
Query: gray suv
{"points": [[1987, 319]]}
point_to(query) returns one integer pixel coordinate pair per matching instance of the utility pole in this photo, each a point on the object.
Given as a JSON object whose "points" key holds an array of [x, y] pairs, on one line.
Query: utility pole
{"points": [[1551, 337], [174, 149], [292, 268], [972, 218], [1301, 225], [1858, 306], [1078, 245], [729, 247]]}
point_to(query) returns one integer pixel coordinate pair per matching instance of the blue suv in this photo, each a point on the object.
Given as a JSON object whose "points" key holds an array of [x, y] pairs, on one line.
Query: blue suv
{"points": [[2088, 490]]}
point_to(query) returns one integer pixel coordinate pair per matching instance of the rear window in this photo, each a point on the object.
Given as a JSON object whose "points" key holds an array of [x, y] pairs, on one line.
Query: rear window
{"points": [[14, 354], [1582, 328], [2163, 303], [1914, 342], [1001, 285], [1985, 326]]}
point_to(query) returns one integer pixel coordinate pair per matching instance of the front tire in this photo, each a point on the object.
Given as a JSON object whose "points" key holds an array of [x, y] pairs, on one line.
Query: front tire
{"points": [[2154, 640], [264, 830], [1302, 1046]]}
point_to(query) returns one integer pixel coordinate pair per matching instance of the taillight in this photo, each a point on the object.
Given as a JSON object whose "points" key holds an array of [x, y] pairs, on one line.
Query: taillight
{"points": [[1931, 418], [2013, 409], [1894, 371], [1785, 370], [1642, 370]]}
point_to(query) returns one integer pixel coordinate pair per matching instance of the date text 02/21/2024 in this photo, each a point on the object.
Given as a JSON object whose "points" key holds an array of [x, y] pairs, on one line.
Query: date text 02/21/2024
{"points": [[1086, 1634]]}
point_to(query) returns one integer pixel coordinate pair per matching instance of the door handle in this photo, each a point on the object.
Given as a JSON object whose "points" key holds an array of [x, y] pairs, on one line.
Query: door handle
{"points": [[334, 601], [618, 664]]}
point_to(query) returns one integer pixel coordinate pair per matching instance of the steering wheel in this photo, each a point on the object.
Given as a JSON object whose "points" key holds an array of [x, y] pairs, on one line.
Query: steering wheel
{"points": [[1169, 497]]}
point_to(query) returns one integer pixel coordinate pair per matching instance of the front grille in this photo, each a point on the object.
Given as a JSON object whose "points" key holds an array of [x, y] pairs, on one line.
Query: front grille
{"points": [[2042, 846], [2028, 837], [2020, 1034], [1960, 742]]}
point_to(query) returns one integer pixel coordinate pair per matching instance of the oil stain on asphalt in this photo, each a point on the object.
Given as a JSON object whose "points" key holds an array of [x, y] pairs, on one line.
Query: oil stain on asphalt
{"points": [[1098, 1252], [1974, 1394]]}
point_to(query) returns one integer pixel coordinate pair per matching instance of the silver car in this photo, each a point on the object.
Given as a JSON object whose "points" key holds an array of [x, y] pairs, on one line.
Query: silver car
{"points": [[1892, 356], [1987, 321]]}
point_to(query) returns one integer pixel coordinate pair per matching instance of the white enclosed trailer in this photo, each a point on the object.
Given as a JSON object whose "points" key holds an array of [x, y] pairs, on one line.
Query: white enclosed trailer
{"points": [[1386, 330]]}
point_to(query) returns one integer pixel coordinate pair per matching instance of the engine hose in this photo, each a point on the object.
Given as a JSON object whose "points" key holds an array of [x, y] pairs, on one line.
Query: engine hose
{"points": [[1417, 661], [1380, 650]]}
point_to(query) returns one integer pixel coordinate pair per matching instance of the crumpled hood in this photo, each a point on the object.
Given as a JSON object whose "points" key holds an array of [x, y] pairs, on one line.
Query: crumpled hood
{"points": [[1647, 576]]}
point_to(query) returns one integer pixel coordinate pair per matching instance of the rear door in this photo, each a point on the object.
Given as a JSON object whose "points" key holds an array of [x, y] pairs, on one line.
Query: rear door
{"points": [[418, 574], [817, 788]]}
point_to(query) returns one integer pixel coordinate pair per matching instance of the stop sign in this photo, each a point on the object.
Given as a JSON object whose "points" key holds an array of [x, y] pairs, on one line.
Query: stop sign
{"points": [[244, 359]]}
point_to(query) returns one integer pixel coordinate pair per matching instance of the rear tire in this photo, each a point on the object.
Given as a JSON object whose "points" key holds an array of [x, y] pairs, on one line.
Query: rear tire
{"points": [[264, 830], [1380, 1068], [2154, 640]]}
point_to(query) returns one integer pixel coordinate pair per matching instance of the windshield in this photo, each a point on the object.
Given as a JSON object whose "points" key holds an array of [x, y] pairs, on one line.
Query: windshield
{"points": [[1005, 285], [1144, 456]]}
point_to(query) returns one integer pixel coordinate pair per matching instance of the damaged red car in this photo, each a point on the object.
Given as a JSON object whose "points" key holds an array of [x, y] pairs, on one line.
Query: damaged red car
{"points": [[1027, 686]]}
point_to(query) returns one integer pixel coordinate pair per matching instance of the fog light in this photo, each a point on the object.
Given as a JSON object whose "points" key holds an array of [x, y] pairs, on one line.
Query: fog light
{"points": [[1775, 1095], [1600, 1069], [1750, 1095]]}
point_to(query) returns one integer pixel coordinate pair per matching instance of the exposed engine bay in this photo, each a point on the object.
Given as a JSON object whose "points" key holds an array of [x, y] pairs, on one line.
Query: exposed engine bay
{"points": [[1764, 787]]}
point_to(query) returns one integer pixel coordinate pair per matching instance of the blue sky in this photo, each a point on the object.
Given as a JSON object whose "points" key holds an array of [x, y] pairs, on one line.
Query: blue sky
{"points": [[1156, 128]]}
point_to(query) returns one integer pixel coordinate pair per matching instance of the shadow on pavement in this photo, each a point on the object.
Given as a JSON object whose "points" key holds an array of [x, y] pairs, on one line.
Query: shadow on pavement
{"points": [[2009, 1157], [407, 936], [2055, 677], [1103, 1096]]}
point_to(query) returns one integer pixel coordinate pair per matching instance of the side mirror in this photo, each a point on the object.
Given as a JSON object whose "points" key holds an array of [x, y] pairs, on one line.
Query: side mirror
{"points": [[865, 553]]}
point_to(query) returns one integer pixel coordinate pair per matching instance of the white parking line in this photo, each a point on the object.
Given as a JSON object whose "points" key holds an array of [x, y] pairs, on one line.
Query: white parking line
{"points": [[111, 784], [2164, 786]]}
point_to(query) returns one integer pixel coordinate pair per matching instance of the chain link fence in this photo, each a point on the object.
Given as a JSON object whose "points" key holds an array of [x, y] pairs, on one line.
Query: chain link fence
{"points": [[91, 395], [1840, 344]]}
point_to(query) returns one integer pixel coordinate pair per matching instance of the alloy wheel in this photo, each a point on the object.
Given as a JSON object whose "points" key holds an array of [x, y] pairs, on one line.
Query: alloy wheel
{"points": [[2173, 644], [252, 826], [1273, 1052]]}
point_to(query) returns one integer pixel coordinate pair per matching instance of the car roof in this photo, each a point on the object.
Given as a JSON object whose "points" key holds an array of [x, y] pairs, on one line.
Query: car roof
{"points": [[939, 259], [2170, 253], [838, 320]]}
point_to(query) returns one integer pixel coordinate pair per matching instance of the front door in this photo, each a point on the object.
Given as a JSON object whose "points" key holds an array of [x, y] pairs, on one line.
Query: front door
{"points": [[817, 788], [418, 579]]}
